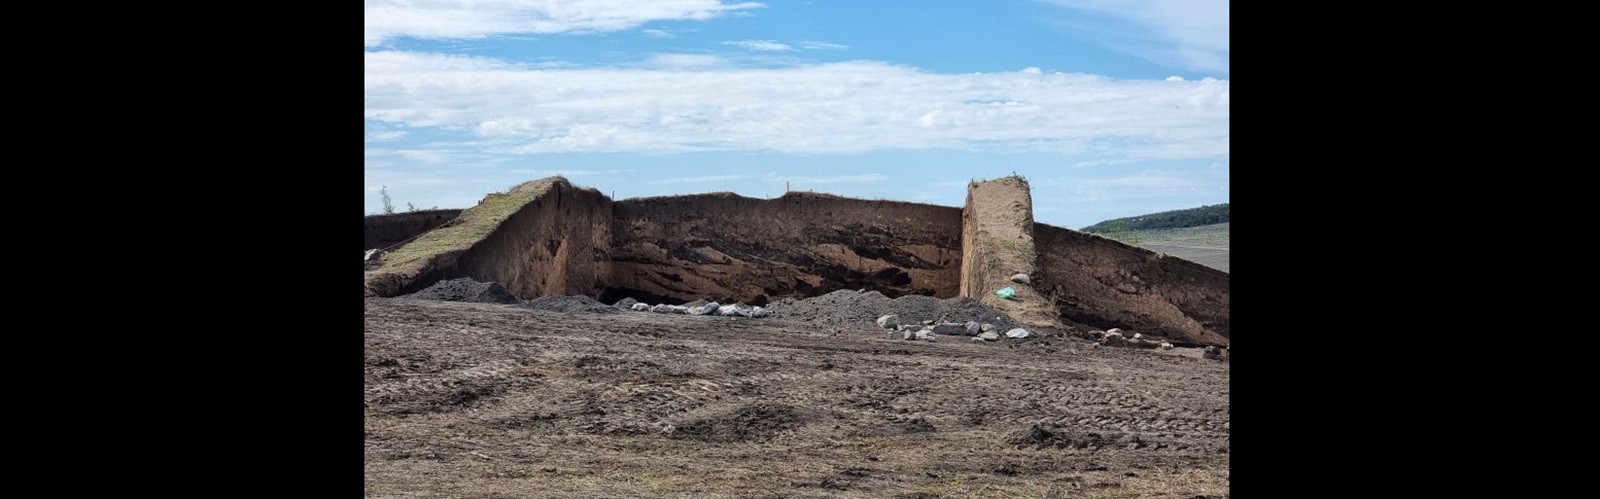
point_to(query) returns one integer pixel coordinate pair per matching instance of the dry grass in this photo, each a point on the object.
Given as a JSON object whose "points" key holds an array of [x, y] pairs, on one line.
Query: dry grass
{"points": [[471, 226]]}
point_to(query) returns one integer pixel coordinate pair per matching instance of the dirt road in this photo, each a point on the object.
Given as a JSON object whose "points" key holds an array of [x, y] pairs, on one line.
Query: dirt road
{"points": [[481, 400]]}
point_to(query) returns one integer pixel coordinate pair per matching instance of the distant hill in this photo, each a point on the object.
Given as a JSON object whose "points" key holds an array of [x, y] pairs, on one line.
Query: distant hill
{"points": [[1175, 219]]}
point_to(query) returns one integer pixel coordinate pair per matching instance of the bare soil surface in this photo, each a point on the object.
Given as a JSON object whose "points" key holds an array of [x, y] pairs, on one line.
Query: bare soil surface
{"points": [[1211, 256], [1206, 244], [485, 400]]}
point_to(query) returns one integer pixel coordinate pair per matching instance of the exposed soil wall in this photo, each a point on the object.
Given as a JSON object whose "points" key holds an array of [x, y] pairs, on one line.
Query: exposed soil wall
{"points": [[556, 244], [727, 247], [383, 231], [1106, 283], [997, 243]]}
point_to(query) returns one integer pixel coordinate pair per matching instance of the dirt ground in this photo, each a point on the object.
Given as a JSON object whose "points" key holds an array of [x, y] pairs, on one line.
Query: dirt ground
{"points": [[1211, 256], [486, 400]]}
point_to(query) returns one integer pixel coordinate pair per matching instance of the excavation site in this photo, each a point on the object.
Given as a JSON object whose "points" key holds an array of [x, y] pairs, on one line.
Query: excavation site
{"points": [[553, 342]]}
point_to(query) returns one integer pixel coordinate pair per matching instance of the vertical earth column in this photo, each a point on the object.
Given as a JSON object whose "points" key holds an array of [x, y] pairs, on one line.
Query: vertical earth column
{"points": [[997, 243]]}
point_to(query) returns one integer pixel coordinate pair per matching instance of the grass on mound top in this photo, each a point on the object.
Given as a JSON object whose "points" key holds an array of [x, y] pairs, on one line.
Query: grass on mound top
{"points": [[471, 226]]}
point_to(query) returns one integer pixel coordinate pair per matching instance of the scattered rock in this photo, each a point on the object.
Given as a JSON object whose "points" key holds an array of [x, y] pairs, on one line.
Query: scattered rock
{"points": [[373, 254], [1216, 353], [989, 336], [677, 309], [928, 322], [973, 328], [987, 327], [1138, 336], [1166, 346], [1113, 340], [660, 308], [977, 339], [760, 312], [1020, 278], [625, 303], [886, 321], [1018, 333], [1092, 335], [908, 334], [1114, 331], [849, 308], [642, 307], [950, 328], [706, 308], [927, 335]]}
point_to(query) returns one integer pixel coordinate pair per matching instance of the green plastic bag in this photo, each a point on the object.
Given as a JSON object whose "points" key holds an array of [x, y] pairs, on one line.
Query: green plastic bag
{"points": [[1006, 292]]}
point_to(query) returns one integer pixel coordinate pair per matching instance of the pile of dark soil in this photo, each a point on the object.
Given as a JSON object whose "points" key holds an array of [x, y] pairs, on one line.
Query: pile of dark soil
{"points": [[576, 303], [852, 308], [465, 289]]}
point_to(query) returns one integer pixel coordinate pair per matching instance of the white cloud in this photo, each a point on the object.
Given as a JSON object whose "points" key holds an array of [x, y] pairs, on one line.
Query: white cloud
{"points": [[424, 155], [1174, 78], [552, 173], [761, 45], [658, 33], [866, 178], [815, 45], [386, 19], [819, 108], [684, 61], [1190, 33], [776, 46], [700, 179], [386, 136]]}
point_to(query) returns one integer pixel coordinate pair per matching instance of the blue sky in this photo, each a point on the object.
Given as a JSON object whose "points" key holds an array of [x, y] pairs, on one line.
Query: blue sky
{"points": [[1109, 108]]}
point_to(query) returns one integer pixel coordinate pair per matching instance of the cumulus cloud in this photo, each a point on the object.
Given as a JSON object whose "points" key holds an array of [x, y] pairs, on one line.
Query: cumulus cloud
{"points": [[683, 61], [760, 45], [387, 19], [817, 108], [1189, 33]]}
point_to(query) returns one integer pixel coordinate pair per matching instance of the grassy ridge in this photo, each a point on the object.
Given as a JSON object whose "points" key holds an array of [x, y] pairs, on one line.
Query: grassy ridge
{"points": [[471, 226]]}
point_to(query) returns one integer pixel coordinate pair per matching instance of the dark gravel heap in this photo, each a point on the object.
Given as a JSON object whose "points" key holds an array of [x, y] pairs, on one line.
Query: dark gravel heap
{"points": [[465, 289], [851, 308], [578, 303]]}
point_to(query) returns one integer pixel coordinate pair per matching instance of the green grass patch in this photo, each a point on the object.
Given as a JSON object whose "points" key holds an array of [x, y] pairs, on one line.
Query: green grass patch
{"points": [[470, 227]]}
